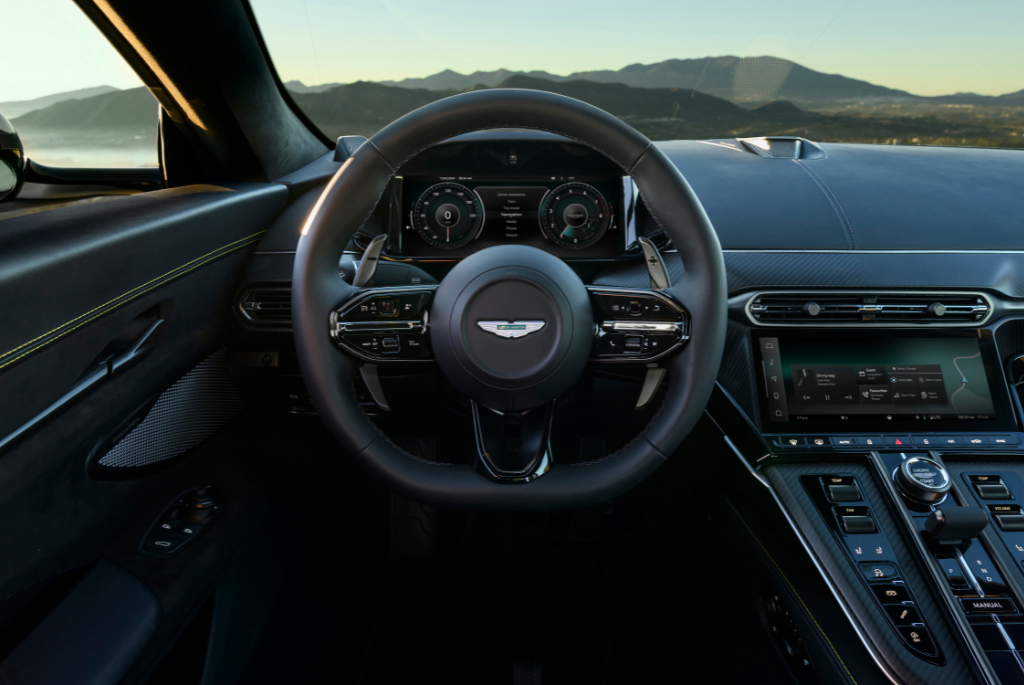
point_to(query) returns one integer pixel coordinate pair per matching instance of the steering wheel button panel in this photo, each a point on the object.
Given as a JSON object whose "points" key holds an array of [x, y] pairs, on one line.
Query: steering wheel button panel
{"points": [[385, 324], [636, 325]]}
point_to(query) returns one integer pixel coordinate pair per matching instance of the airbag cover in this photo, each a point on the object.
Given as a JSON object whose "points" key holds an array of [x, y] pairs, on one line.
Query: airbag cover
{"points": [[537, 329]]}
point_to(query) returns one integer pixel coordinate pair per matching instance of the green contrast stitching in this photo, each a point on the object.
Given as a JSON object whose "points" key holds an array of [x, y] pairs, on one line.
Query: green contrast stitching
{"points": [[793, 589], [133, 293]]}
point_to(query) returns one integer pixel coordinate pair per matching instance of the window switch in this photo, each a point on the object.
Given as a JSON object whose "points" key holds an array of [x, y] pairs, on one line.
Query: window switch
{"points": [[163, 543]]}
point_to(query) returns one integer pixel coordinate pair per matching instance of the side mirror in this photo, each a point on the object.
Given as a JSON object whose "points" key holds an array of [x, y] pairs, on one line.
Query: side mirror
{"points": [[12, 160]]}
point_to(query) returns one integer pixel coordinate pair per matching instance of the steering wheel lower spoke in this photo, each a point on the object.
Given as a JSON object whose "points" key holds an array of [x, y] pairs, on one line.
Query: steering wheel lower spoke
{"points": [[634, 325], [384, 325], [512, 447]]}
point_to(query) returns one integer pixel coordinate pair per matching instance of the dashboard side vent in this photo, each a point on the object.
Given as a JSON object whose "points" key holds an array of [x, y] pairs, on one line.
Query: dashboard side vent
{"points": [[824, 308], [267, 306]]}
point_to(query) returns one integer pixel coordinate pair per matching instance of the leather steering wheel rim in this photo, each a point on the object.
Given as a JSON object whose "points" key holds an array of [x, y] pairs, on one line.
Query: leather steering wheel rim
{"points": [[350, 198]]}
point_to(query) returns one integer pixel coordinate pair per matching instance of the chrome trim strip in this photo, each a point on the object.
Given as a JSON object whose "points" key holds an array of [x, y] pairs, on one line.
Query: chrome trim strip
{"points": [[868, 645], [868, 324], [950, 602], [644, 326]]}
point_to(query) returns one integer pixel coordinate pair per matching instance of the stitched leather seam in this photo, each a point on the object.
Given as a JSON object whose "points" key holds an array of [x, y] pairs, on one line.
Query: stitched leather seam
{"points": [[793, 590], [127, 297], [828, 190], [844, 224]]}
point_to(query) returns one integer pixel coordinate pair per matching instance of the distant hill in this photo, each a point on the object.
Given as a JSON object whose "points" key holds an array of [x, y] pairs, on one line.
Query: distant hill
{"points": [[16, 108], [132, 111], [746, 81]]}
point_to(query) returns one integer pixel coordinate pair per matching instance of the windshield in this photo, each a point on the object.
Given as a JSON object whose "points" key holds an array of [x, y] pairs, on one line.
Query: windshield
{"points": [[927, 73]]}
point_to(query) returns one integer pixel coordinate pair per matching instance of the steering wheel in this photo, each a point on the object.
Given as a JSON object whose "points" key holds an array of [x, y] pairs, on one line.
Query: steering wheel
{"points": [[512, 327]]}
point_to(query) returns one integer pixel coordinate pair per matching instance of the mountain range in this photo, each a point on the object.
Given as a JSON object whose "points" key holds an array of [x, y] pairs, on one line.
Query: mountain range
{"points": [[747, 81], [16, 108], [765, 96]]}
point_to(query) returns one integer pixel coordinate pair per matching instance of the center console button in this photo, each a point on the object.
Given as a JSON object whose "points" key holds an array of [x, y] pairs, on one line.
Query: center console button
{"points": [[894, 594], [918, 638], [898, 440], [975, 440], [988, 605], [870, 440], [844, 441], [992, 490], [1001, 440], [878, 571], [922, 479], [927, 440], [954, 574], [844, 493], [903, 615], [857, 525]]}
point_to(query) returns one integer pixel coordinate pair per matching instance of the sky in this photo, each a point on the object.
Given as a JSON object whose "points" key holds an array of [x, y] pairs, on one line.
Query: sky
{"points": [[927, 47]]}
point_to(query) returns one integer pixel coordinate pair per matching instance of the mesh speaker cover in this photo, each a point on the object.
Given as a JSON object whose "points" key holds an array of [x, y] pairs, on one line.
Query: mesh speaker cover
{"points": [[187, 413], [774, 148]]}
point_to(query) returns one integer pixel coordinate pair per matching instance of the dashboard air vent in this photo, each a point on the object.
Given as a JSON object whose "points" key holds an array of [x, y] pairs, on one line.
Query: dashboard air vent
{"points": [[821, 308], [267, 306]]}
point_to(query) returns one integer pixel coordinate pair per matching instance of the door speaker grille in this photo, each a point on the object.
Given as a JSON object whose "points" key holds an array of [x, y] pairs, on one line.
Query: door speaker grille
{"points": [[187, 413]]}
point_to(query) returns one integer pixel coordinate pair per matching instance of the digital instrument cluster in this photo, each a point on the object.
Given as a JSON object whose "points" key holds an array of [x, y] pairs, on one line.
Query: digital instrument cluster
{"points": [[454, 215]]}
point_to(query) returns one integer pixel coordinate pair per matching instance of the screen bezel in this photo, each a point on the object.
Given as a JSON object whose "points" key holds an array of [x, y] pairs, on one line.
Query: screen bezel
{"points": [[1006, 420]]}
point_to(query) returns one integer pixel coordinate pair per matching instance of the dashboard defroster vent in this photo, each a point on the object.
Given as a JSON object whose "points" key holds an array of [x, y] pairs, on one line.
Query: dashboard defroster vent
{"points": [[860, 308], [267, 306]]}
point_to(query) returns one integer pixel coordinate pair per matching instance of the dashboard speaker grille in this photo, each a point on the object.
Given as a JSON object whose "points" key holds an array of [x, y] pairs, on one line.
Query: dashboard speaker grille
{"points": [[868, 308], [774, 148], [267, 306], [187, 413]]}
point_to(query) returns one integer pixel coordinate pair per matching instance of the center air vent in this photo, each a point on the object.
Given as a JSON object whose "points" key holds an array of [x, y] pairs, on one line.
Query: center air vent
{"points": [[267, 306], [878, 308]]}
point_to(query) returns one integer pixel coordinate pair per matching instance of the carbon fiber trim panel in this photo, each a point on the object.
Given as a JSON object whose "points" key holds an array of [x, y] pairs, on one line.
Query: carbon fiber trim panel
{"points": [[269, 268], [736, 373], [785, 480]]}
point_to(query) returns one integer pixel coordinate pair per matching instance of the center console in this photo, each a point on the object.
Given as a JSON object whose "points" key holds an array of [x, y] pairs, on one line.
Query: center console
{"points": [[896, 457]]}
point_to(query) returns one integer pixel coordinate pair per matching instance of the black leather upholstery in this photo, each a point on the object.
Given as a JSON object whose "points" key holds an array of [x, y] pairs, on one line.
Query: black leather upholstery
{"points": [[350, 198]]}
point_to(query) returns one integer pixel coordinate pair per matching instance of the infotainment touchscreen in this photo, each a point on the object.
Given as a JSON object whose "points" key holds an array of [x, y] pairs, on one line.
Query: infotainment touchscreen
{"points": [[880, 382]]}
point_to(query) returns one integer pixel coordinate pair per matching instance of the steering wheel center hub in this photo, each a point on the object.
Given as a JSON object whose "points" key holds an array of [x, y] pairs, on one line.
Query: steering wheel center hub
{"points": [[512, 327]]}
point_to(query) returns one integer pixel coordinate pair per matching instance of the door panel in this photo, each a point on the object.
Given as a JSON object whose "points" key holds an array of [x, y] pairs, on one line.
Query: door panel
{"points": [[74, 280]]}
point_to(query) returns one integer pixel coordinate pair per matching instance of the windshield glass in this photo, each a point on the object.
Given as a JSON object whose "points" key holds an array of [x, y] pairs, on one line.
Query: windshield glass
{"points": [[927, 73]]}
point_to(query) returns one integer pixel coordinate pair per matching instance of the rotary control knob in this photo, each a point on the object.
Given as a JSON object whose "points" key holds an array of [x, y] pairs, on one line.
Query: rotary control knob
{"points": [[923, 479]]}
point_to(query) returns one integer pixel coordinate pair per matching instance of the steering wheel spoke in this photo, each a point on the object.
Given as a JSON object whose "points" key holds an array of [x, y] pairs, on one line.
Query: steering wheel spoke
{"points": [[636, 325], [512, 447], [383, 325]]}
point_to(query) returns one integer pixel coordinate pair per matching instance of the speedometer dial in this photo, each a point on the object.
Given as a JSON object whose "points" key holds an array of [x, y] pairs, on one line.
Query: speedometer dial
{"points": [[575, 215], [448, 215]]}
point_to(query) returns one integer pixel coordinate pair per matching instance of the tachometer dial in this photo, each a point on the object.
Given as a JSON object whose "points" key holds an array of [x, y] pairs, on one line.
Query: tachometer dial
{"points": [[575, 215], [448, 215]]}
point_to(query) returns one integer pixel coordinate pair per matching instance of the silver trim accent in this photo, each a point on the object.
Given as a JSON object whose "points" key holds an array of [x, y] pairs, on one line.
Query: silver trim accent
{"points": [[669, 327], [871, 309], [483, 462], [868, 645], [368, 264], [656, 269]]}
